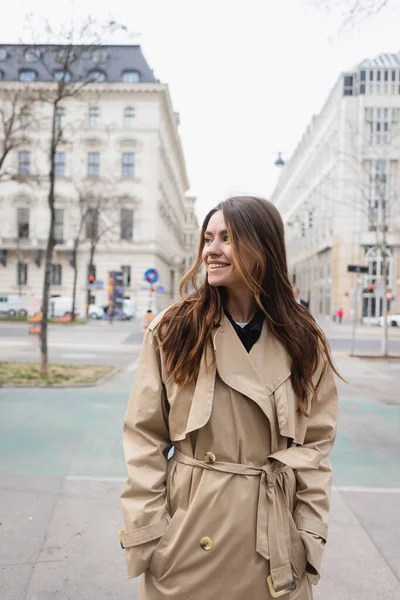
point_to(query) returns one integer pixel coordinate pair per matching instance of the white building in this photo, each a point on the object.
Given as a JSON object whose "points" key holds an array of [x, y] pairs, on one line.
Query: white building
{"points": [[120, 160], [341, 188]]}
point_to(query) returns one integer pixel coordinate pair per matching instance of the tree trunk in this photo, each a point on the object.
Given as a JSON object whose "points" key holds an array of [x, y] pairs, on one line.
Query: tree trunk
{"points": [[45, 298], [75, 267], [91, 258], [51, 242]]}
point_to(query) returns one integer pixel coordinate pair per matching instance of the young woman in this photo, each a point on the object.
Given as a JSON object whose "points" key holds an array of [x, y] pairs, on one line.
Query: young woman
{"points": [[238, 378]]}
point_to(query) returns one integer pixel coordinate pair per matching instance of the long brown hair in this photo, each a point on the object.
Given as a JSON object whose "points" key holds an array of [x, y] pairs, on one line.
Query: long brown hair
{"points": [[255, 226]]}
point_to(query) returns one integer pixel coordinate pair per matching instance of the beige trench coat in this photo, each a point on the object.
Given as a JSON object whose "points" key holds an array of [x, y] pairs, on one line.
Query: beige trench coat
{"points": [[240, 511]]}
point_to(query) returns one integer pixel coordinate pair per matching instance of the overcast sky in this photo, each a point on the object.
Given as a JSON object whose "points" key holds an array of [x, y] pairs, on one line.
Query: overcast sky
{"points": [[246, 76]]}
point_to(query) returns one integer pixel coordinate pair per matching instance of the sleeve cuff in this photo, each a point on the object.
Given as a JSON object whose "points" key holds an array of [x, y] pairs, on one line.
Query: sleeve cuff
{"points": [[139, 545], [313, 534]]}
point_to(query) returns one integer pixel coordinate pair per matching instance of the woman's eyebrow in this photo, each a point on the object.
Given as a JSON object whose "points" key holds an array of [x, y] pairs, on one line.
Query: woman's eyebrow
{"points": [[223, 232]]}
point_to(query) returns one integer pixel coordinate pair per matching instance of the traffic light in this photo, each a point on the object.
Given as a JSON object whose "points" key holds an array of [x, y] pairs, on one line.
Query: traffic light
{"points": [[91, 274], [369, 289]]}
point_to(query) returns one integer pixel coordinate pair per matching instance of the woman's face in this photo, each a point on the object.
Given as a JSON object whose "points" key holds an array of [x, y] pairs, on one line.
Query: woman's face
{"points": [[217, 255]]}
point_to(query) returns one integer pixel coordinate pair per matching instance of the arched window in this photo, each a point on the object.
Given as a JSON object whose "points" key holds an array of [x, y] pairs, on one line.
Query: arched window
{"points": [[27, 75], [373, 281], [97, 76], [61, 75], [129, 117], [130, 76]]}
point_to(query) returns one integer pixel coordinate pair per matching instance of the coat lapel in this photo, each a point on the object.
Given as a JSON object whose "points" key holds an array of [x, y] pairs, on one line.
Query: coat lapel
{"points": [[255, 375]]}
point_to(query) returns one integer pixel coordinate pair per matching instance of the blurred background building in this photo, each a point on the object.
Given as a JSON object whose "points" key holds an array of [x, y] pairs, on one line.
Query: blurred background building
{"points": [[120, 178], [339, 193]]}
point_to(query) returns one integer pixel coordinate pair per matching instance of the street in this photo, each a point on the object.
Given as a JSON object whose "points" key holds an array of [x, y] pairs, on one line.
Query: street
{"points": [[61, 472]]}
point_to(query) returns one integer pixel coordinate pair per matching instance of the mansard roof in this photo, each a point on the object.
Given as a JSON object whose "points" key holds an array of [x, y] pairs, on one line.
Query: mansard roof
{"points": [[111, 60]]}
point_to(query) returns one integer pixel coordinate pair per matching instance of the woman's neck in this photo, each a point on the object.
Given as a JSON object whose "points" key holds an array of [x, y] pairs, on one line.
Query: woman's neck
{"points": [[241, 305]]}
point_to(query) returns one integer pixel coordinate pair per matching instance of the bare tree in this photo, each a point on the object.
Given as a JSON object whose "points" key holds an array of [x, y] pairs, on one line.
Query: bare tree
{"points": [[98, 218], [65, 65], [16, 116], [355, 11]]}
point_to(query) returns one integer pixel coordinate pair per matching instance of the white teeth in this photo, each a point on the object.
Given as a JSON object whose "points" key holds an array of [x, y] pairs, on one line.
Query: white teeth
{"points": [[216, 266]]}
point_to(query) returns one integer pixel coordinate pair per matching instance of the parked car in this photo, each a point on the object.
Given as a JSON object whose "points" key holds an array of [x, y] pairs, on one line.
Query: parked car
{"points": [[128, 309], [95, 311], [61, 306], [392, 321], [13, 304]]}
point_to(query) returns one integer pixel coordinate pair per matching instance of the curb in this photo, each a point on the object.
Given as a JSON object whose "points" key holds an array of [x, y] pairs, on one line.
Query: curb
{"points": [[97, 383]]}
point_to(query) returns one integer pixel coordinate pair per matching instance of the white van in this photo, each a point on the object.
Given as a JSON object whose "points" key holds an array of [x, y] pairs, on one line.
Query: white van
{"points": [[61, 306], [129, 309], [13, 304]]}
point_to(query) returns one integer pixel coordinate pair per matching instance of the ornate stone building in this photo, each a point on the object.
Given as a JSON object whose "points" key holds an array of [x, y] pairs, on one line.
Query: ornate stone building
{"points": [[119, 163]]}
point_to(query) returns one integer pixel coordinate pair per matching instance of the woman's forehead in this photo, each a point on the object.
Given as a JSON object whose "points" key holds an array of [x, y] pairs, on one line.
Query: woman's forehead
{"points": [[217, 222]]}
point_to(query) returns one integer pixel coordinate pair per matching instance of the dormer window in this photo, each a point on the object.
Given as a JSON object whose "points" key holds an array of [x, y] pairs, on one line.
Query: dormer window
{"points": [[61, 75], [131, 76], [97, 76], [32, 55], [3, 54], [27, 75], [99, 55]]}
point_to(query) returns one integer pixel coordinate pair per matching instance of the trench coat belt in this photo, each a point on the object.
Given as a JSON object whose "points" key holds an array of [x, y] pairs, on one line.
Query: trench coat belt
{"points": [[273, 532]]}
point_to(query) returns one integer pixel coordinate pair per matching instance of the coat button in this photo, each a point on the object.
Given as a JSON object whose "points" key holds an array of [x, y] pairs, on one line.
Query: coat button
{"points": [[209, 457], [206, 543]]}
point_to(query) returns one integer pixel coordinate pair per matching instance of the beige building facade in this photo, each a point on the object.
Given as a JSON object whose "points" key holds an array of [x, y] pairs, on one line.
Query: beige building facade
{"points": [[120, 163], [339, 195]]}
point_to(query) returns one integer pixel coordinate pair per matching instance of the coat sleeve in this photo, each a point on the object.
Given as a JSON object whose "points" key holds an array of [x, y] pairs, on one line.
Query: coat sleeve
{"points": [[146, 444], [314, 484]]}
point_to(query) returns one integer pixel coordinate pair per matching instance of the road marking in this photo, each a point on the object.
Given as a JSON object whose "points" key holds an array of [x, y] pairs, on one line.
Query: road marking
{"points": [[366, 490], [90, 478], [79, 355]]}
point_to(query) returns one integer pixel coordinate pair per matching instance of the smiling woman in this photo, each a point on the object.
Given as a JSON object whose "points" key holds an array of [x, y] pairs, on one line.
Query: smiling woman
{"points": [[239, 379]]}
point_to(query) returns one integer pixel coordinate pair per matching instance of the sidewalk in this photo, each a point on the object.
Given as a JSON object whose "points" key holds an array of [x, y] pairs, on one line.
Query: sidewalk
{"points": [[334, 329]]}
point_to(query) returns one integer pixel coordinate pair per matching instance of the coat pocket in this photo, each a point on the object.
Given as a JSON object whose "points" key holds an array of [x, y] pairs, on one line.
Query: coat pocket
{"points": [[165, 547]]}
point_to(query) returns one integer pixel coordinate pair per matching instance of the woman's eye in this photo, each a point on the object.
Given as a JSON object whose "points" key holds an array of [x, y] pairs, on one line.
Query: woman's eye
{"points": [[226, 238], [207, 240]]}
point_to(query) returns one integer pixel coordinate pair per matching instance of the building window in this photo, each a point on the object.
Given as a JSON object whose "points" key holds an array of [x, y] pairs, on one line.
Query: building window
{"points": [[131, 76], [94, 116], [56, 275], [348, 85], [61, 75], [93, 164], [22, 273], [60, 118], [128, 164], [3, 54], [126, 218], [23, 223], [25, 118], [24, 161], [129, 116], [59, 225], [97, 76], [92, 224], [27, 75], [99, 55], [59, 164], [126, 271], [1, 75]]}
